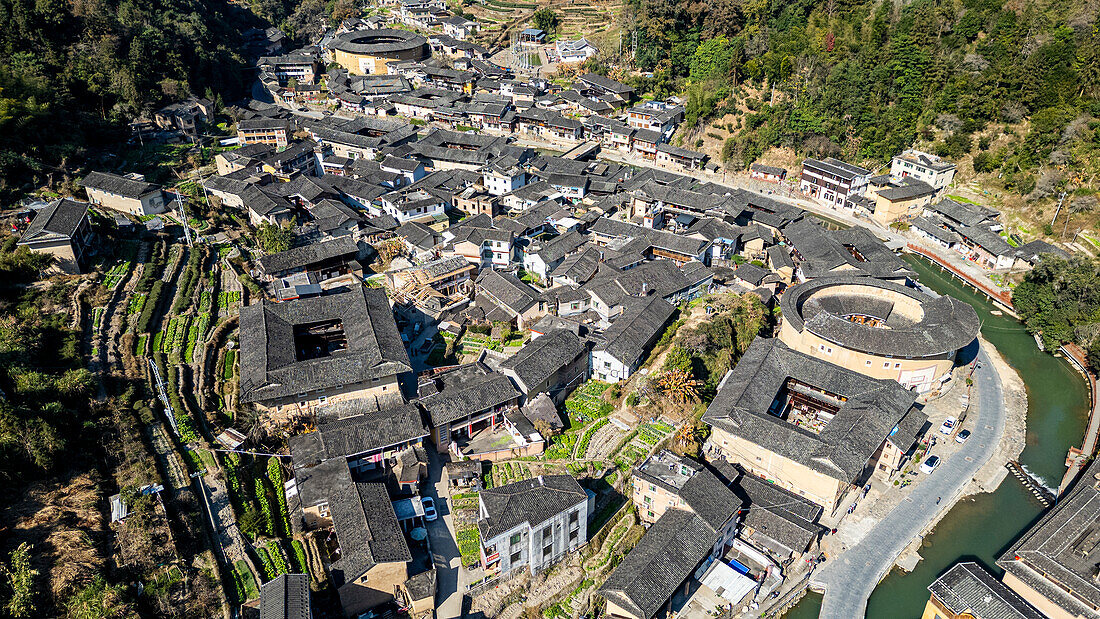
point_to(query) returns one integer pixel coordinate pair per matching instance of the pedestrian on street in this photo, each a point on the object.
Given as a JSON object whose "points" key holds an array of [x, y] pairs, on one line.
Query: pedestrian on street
{"points": [[937, 500]]}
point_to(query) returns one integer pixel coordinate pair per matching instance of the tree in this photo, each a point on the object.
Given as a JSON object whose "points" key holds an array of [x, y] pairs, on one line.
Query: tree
{"points": [[20, 579], [545, 19], [712, 59], [274, 238]]}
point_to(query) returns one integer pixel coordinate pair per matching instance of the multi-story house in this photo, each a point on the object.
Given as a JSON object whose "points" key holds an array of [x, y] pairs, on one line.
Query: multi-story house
{"points": [[834, 182], [532, 523], [271, 131], [934, 170]]}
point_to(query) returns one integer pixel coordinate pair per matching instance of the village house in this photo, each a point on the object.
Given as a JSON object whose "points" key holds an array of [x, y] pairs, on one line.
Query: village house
{"points": [[554, 363], [771, 174], [833, 181], [273, 131], [286, 597], [630, 338], [968, 591], [62, 230], [532, 523], [127, 194], [468, 409], [931, 169]]}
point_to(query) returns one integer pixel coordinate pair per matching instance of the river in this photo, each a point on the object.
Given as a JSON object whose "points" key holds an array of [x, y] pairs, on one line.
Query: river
{"points": [[982, 526]]}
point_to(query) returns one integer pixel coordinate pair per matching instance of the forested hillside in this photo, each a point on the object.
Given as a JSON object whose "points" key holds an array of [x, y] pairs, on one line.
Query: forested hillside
{"points": [[1013, 84], [73, 73]]}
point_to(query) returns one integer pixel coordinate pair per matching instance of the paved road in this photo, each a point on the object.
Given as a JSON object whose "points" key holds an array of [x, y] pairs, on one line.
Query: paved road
{"points": [[850, 578], [441, 533]]}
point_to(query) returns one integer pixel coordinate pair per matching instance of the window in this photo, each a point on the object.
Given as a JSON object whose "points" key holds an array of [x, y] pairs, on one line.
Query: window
{"points": [[514, 558], [868, 363], [897, 365], [549, 550], [573, 517], [515, 539], [573, 536], [885, 364]]}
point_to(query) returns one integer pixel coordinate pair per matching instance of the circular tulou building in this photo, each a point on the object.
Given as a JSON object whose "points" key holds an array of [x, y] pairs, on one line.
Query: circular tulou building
{"points": [[878, 328], [367, 52]]}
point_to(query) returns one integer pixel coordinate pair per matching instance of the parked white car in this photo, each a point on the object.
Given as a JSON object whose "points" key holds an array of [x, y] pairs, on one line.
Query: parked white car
{"points": [[948, 425], [429, 508], [930, 464]]}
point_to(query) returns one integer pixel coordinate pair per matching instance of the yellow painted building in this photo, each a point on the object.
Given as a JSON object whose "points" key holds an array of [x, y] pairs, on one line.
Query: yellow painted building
{"points": [[877, 328]]}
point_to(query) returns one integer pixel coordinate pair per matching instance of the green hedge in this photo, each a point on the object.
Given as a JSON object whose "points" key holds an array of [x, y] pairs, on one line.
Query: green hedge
{"points": [[187, 282], [150, 308]]}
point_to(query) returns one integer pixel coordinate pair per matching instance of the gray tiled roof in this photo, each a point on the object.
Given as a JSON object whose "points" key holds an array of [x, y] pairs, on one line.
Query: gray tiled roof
{"points": [[872, 409], [1062, 551], [968, 588], [367, 531], [540, 358], [652, 238], [944, 326], [778, 516], [822, 251], [638, 325], [286, 597], [666, 556], [466, 390], [661, 278], [507, 291], [306, 255], [59, 220], [699, 488], [319, 482], [269, 365], [359, 434], [118, 185], [932, 225], [533, 501], [965, 213], [417, 234]]}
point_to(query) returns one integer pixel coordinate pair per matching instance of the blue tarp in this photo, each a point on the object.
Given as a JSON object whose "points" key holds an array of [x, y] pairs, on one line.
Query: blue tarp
{"points": [[740, 567]]}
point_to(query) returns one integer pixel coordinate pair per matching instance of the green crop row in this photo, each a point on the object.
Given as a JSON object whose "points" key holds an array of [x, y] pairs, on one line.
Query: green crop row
{"points": [[275, 474], [266, 564], [301, 565], [265, 508], [277, 558]]}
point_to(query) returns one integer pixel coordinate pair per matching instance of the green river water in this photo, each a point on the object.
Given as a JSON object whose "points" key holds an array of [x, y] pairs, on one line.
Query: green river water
{"points": [[982, 526]]}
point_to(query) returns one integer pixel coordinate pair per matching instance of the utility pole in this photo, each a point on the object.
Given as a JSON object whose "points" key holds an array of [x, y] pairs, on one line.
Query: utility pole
{"points": [[183, 218], [1059, 209]]}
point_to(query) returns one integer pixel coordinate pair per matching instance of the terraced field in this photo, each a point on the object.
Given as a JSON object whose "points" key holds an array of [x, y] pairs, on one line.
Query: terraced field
{"points": [[589, 18]]}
